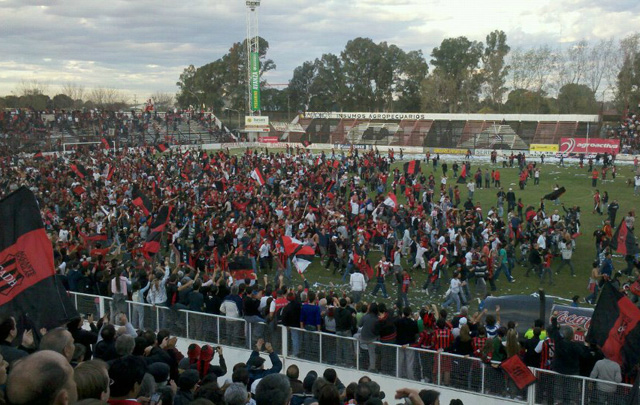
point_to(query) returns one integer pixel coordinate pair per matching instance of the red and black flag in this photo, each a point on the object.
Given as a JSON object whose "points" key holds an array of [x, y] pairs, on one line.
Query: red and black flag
{"points": [[152, 244], [555, 194], [110, 172], [38, 155], [105, 143], [412, 167], [79, 170], [463, 175], [301, 254], [141, 201], [615, 327], [161, 147], [624, 241], [29, 289], [306, 143], [329, 185]]}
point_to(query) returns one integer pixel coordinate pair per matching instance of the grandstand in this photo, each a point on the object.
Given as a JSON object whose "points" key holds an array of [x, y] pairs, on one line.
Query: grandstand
{"points": [[504, 131]]}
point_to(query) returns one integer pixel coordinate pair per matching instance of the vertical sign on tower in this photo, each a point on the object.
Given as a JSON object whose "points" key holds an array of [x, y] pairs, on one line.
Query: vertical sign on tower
{"points": [[255, 81]]}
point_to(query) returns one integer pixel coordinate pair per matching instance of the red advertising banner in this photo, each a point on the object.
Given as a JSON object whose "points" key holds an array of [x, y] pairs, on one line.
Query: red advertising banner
{"points": [[577, 318], [268, 139], [591, 145]]}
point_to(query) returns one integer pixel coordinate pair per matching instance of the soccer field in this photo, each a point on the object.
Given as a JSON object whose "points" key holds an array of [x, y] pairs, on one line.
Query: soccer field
{"points": [[579, 192]]}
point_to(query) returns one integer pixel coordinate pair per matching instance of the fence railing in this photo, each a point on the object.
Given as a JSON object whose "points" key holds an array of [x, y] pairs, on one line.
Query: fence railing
{"points": [[443, 369]]}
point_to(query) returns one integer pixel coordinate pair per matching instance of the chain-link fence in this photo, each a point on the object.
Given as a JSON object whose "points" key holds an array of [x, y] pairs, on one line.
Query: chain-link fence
{"points": [[443, 369]]}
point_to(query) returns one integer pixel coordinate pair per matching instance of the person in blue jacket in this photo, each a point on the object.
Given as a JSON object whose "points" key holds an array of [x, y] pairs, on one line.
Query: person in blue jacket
{"points": [[255, 364]]}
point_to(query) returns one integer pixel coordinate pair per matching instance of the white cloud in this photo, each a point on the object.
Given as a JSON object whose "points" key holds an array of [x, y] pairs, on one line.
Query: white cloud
{"points": [[142, 46]]}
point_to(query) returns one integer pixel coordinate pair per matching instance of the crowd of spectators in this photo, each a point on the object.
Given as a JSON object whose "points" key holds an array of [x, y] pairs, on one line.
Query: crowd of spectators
{"points": [[32, 131], [628, 133], [221, 217]]}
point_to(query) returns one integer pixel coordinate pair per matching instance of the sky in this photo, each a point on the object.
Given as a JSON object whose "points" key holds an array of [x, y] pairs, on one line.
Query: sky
{"points": [[141, 46]]}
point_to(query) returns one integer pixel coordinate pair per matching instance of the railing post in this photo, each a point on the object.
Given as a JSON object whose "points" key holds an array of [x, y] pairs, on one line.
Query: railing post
{"points": [[101, 306], [531, 391], [218, 328], [186, 313], [157, 317], [75, 299], [285, 340], [584, 388], [248, 325], [398, 361], [320, 361], [483, 368], [439, 364], [358, 354]]}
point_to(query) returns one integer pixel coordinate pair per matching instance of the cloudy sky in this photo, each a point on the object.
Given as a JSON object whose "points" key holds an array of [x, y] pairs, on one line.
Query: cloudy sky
{"points": [[142, 46]]}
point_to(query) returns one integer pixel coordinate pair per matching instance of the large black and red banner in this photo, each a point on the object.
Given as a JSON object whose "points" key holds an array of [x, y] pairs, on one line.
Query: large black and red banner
{"points": [[29, 290], [412, 167], [615, 327], [624, 241]]}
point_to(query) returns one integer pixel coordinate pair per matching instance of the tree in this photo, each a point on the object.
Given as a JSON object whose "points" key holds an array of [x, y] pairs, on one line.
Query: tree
{"points": [[223, 82], [62, 101], [456, 61], [329, 89], [436, 93], [162, 101], [577, 99], [411, 72], [522, 101], [299, 88], [628, 77], [532, 70], [108, 98], [75, 91], [360, 60], [494, 67]]}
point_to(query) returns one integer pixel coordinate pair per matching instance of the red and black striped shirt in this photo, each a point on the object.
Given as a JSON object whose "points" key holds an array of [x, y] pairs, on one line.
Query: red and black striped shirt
{"points": [[442, 339]]}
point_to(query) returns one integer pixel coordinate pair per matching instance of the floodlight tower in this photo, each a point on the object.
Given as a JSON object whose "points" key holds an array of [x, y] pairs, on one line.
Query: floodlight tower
{"points": [[253, 57]]}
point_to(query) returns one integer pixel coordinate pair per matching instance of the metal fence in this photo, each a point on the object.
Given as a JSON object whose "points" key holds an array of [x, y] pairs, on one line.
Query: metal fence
{"points": [[446, 370]]}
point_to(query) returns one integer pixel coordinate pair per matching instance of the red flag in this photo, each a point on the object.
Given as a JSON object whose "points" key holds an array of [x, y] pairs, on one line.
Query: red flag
{"points": [[28, 286], [518, 372], [336, 164], [112, 170], [38, 155], [257, 176], [463, 175], [79, 190], [105, 143]]}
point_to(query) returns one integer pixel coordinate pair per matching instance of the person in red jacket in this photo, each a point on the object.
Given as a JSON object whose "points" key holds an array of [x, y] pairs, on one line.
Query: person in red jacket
{"points": [[594, 178]]}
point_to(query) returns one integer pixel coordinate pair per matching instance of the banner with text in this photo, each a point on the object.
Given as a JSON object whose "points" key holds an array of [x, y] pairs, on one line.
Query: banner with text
{"points": [[591, 145], [268, 139], [254, 70], [256, 121], [450, 151], [543, 147], [579, 319]]}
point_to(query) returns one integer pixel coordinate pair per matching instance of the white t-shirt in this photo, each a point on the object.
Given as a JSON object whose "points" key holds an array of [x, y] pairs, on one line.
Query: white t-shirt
{"points": [[356, 281]]}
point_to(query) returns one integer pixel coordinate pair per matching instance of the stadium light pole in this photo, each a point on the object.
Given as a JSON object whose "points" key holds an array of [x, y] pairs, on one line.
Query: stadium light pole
{"points": [[253, 57]]}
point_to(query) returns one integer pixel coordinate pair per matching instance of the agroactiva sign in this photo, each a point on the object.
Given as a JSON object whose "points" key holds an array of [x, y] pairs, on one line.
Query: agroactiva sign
{"points": [[591, 145]]}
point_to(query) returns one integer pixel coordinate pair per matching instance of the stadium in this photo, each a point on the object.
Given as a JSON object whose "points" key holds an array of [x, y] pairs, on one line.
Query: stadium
{"points": [[385, 254]]}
